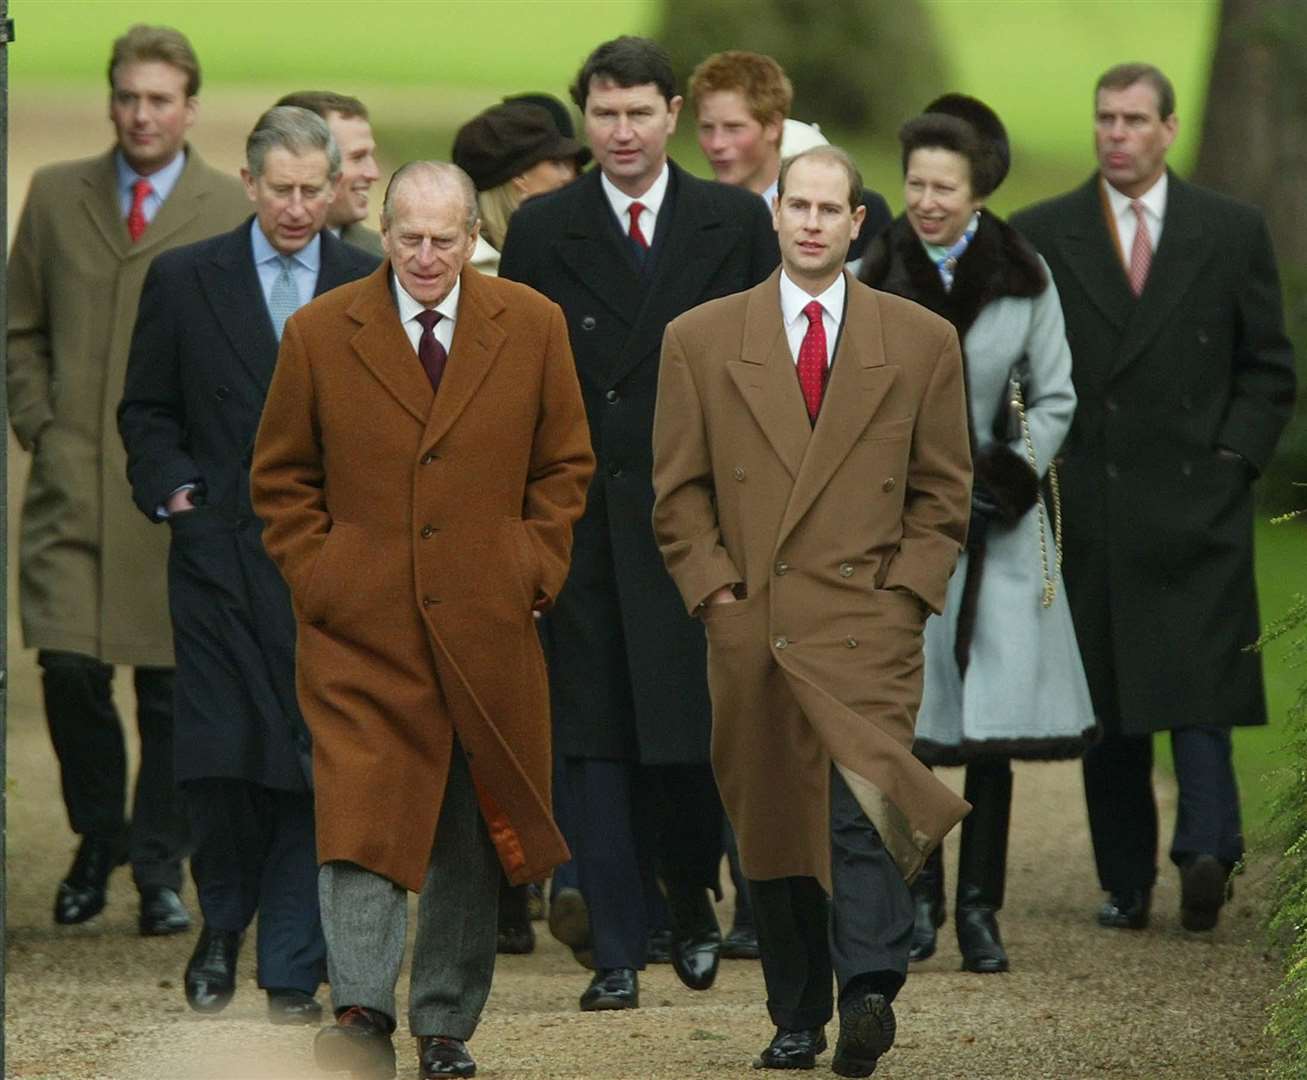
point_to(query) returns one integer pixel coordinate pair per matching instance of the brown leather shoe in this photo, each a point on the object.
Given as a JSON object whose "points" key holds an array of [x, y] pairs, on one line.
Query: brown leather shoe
{"points": [[1204, 887], [358, 1043], [439, 1055]]}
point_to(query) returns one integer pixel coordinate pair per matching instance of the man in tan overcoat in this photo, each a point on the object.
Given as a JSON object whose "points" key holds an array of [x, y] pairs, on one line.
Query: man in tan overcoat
{"points": [[813, 476], [92, 586], [422, 458]]}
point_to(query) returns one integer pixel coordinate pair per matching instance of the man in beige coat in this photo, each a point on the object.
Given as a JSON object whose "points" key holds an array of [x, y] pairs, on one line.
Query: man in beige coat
{"points": [[812, 474], [92, 571]]}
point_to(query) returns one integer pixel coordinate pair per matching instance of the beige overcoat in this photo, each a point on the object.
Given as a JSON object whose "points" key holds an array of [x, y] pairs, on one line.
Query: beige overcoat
{"points": [[415, 531], [92, 570], [843, 535]]}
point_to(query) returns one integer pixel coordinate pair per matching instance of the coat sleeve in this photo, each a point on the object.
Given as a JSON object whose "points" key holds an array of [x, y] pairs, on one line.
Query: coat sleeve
{"points": [[152, 418], [30, 353], [561, 462], [685, 509], [1262, 369], [287, 476], [1049, 393], [937, 496]]}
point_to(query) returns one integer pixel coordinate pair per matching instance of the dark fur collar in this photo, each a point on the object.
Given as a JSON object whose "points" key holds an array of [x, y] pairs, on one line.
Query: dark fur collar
{"points": [[998, 262]]}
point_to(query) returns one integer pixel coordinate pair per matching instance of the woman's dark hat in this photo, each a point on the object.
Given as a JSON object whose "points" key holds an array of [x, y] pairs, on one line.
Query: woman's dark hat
{"points": [[506, 140], [561, 113], [986, 124]]}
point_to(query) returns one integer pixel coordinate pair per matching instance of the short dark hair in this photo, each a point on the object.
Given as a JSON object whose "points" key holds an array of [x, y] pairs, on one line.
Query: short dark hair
{"points": [[939, 131], [628, 61], [325, 102], [835, 156], [143, 44], [1126, 75]]}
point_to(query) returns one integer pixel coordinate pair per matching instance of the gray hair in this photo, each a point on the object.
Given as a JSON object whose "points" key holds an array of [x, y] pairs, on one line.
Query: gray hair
{"points": [[441, 174], [295, 130]]}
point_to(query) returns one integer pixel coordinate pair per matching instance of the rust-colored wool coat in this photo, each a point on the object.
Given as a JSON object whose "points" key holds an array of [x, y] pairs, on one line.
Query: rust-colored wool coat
{"points": [[843, 534], [415, 532]]}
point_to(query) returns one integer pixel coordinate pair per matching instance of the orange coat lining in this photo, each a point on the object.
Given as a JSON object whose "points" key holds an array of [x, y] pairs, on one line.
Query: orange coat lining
{"points": [[502, 834]]}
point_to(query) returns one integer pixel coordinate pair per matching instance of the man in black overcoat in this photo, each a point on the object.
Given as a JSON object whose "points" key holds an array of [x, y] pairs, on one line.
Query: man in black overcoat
{"points": [[1184, 380], [624, 250], [202, 354]]}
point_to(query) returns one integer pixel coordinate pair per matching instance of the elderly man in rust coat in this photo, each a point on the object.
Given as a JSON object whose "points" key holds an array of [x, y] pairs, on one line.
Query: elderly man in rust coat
{"points": [[422, 458], [812, 473]]}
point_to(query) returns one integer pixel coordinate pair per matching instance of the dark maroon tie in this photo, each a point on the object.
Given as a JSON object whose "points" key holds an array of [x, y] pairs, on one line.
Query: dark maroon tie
{"points": [[430, 352]]}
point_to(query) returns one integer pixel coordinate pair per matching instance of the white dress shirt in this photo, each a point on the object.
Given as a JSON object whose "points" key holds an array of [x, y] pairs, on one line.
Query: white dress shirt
{"points": [[409, 309], [1154, 200], [652, 200], [161, 184], [795, 299]]}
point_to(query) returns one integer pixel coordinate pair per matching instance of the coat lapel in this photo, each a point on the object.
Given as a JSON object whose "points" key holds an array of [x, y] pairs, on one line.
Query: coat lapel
{"points": [[591, 251], [230, 286], [183, 206], [1087, 249], [478, 339], [859, 381], [384, 348], [100, 201], [765, 377]]}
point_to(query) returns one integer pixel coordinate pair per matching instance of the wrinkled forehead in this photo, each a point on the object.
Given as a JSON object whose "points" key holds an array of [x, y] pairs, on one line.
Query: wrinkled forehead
{"points": [[426, 203]]}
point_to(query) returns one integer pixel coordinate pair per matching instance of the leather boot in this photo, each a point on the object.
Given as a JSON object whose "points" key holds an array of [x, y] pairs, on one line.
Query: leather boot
{"points": [[928, 905], [982, 865]]}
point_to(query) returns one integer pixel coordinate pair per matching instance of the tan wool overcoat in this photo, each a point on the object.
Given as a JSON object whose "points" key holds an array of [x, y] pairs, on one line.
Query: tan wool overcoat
{"points": [[415, 531], [92, 570], [843, 534]]}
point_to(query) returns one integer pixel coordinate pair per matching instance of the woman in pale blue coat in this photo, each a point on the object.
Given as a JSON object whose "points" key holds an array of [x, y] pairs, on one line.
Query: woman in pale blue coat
{"points": [[1003, 674]]}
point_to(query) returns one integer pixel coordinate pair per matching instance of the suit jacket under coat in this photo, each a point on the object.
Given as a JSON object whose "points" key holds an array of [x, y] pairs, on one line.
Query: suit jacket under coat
{"points": [[91, 572], [1158, 525], [711, 240], [415, 531], [202, 355], [843, 534]]}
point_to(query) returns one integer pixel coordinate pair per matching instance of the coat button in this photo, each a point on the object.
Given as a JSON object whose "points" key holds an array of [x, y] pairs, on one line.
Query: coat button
{"points": [[851, 643], [614, 470], [1186, 402], [781, 642], [738, 472], [427, 459], [427, 532], [221, 392], [1202, 337], [888, 485], [1110, 405], [1186, 469], [846, 569], [429, 601], [588, 323], [1112, 471], [782, 568], [611, 397]]}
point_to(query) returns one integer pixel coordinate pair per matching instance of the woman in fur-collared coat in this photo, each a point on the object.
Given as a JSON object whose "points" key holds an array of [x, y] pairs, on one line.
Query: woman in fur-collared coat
{"points": [[1003, 674]]}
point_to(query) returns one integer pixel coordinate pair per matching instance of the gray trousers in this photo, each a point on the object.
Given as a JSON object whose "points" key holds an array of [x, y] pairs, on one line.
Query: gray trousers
{"points": [[365, 920]]}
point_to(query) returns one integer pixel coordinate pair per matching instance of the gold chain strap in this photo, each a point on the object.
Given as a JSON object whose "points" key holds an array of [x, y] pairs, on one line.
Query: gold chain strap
{"points": [[1050, 580]]}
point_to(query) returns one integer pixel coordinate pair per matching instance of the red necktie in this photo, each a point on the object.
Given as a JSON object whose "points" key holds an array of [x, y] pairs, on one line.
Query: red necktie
{"points": [[812, 360], [431, 353], [636, 235], [136, 222], [1141, 251]]}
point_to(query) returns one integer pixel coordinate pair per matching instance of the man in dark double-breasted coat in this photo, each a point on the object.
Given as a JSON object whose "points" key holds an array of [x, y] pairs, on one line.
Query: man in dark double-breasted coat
{"points": [[202, 355], [1184, 380], [623, 250]]}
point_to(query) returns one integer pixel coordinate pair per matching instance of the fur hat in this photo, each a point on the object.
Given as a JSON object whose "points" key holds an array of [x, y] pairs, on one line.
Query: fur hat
{"points": [[986, 124], [506, 140]]}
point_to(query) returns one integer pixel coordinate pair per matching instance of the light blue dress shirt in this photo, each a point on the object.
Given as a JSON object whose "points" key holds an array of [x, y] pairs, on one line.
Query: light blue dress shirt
{"points": [[304, 264], [161, 182]]}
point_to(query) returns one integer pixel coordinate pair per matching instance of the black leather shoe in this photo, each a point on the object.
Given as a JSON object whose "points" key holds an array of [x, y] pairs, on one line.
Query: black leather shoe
{"points": [[792, 1049], [515, 940], [1204, 887], [1126, 910], [293, 1007], [612, 988], [211, 971], [82, 893], [569, 918], [359, 1043], [927, 907], [162, 912], [979, 940], [741, 944], [659, 950], [696, 939], [867, 1028], [439, 1055]]}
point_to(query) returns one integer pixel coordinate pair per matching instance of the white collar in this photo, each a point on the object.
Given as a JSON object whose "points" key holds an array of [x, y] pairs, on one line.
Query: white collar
{"points": [[794, 299], [1154, 199], [652, 198], [769, 196], [409, 308]]}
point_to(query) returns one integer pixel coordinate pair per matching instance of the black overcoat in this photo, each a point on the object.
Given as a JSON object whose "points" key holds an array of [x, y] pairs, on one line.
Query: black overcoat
{"points": [[203, 351], [1158, 523], [628, 667]]}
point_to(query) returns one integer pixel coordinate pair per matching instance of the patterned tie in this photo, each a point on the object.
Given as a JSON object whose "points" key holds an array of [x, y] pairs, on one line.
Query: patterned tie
{"points": [[431, 353], [141, 190], [812, 360], [635, 233], [1141, 251], [284, 299]]}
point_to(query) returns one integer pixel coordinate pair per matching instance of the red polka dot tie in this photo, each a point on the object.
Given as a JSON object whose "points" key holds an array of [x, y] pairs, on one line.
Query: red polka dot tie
{"points": [[812, 360]]}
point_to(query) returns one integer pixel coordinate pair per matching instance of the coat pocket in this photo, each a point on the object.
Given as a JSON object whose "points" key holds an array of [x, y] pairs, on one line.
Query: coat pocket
{"points": [[327, 576]]}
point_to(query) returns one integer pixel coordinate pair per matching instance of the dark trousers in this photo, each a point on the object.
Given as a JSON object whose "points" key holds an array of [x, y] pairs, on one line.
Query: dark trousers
{"points": [[1123, 812], [88, 741], [635, 825], [860, 933], [255, 852]]}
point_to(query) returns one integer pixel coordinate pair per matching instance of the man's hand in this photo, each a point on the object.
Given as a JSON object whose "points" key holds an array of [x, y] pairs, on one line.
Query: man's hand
{"points": [[179, 502], [724, 595]]}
